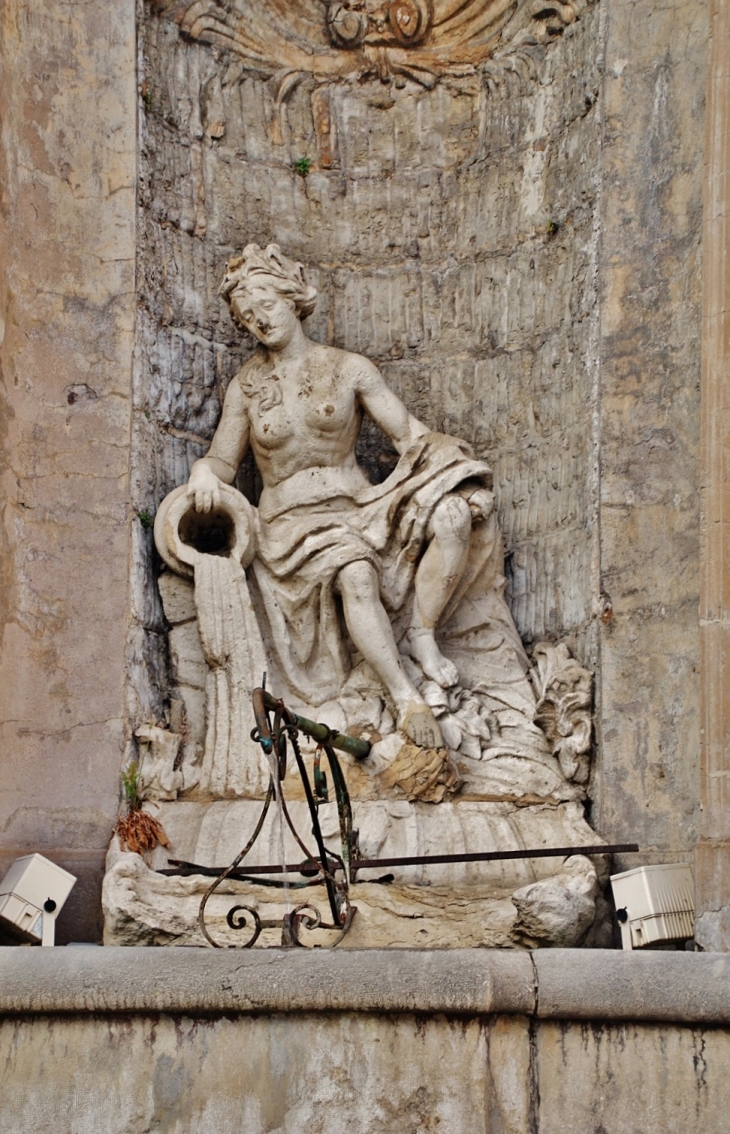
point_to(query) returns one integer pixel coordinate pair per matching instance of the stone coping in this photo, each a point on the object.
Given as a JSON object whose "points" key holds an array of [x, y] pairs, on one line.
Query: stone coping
{"points": [[690, 988]]}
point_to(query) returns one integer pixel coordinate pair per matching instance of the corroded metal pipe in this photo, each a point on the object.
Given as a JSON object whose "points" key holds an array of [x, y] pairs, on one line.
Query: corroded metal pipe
{"points": [[262, 700]]}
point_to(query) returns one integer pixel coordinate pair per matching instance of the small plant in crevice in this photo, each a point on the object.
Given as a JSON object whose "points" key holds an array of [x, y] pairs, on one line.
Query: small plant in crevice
{"points": [[552, 227], [146, 519], [137, 830], [130, 785], [302, 166]]}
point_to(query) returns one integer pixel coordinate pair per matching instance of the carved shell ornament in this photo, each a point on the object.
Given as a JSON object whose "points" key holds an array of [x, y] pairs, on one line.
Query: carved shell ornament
{"points": [[422, 40]]}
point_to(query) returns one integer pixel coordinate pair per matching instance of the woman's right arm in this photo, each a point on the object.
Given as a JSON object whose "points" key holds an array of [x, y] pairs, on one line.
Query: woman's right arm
{"points": [[226, 452]]}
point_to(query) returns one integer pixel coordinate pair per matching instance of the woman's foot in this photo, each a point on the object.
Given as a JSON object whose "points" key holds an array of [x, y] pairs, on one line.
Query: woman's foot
{"points": [[421, 645]]}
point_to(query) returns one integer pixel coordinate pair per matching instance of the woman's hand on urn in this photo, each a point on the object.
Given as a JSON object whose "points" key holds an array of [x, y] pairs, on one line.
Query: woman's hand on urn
{"points": [[205, 488]]}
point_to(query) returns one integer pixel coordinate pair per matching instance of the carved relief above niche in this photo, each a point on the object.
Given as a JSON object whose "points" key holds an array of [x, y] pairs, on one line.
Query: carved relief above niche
{"points": [[422, 40]]}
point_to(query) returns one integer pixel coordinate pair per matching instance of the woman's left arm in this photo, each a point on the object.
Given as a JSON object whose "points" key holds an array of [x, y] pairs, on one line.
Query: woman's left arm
{"points": [[384, 407]]}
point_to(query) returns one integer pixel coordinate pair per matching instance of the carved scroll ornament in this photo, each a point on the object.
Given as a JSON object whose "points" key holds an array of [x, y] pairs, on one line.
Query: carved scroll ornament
{"points": [[335, 39], [397, 23]]}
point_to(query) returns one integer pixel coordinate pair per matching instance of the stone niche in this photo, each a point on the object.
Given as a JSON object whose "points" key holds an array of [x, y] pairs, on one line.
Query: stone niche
{"points": [[440, 186]]}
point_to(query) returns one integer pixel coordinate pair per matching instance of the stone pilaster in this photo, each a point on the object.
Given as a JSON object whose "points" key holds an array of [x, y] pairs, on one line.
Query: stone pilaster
{"points": [[67, 239], [712, 859]]}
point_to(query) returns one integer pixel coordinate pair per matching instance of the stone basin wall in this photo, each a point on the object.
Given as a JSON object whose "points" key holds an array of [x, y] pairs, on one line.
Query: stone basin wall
{"points": [[465, 1042]]}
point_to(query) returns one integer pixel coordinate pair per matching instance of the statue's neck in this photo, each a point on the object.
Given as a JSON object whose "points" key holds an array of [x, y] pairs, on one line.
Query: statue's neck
{"points": [[293, 351]]}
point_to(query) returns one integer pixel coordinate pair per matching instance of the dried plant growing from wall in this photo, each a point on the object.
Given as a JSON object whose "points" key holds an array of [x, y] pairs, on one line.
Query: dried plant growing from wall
{"points": [[137, 830]]}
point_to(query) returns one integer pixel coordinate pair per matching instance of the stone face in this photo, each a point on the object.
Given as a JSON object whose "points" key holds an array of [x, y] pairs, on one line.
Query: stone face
{"points": [[159, 776], [201, 981], [590, 986], [366, 1074], [677, 1074], [177, 598], [67, 262], [186, 656], [360, 1074], [657, 986]]}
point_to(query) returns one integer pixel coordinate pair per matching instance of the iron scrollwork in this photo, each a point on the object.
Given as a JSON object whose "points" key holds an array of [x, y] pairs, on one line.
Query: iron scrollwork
{"points": [[276, 728]]}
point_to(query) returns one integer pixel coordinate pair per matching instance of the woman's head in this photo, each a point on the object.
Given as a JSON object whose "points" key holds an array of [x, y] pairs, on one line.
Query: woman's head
{"points": [[256, 269]]}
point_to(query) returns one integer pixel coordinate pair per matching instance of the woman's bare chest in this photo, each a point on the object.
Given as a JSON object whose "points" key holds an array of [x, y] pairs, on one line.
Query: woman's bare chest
{"points": [[286, 406]]}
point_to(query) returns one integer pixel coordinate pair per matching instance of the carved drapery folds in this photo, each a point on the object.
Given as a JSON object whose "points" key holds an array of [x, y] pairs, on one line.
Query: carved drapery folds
{"points": [[339, 39]]}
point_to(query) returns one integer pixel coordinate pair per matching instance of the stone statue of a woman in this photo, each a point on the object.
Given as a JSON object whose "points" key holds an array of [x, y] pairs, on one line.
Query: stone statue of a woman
{"points": [[395, 559], [378, 610]]}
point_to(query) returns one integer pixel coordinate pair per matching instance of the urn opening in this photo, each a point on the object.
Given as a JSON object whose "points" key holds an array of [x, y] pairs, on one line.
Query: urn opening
{"points": [[210, 533]]}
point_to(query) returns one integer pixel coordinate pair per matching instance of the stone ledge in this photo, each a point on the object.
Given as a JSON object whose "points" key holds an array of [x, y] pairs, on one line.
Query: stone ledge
{"points": [[189, 980], [683, 988], [688, 988]]}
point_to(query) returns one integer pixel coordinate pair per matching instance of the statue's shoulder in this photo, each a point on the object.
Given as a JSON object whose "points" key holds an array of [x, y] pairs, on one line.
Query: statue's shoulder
{"points": [[347, 362]]}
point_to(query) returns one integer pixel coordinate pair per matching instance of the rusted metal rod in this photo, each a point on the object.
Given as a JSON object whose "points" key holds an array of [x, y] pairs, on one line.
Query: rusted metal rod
{"points": [[312, 866], [491, 856]]}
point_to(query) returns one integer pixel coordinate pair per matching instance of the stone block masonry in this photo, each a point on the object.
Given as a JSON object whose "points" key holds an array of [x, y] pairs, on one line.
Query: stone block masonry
{"points": [[712, 857]]}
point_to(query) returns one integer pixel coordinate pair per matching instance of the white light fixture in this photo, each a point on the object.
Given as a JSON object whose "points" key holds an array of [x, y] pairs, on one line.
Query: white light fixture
{"points": [[654, 903], [32, 895]]}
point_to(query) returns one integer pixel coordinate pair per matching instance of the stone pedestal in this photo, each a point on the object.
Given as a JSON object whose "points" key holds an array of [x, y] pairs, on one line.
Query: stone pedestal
{"points": [[547, 901]]}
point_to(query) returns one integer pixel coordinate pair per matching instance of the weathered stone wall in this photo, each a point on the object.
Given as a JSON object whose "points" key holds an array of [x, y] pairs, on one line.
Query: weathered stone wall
{"points": [[67, 262], [454, 239], [524, 266], [360, 1074], [712, 856], [650, 279], [182, 1041]]}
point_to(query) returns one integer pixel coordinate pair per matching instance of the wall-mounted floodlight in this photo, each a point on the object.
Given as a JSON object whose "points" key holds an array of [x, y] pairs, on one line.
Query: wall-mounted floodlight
{"points": [[32, 895], [654, 904]]}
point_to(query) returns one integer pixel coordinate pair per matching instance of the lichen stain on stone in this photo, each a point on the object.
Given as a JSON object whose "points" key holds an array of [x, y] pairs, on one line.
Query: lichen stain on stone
{"points": [[699, 1062]]}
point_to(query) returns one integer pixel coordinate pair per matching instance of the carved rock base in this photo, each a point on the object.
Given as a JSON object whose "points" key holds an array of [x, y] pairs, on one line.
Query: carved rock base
{"points": [[497, 904]]}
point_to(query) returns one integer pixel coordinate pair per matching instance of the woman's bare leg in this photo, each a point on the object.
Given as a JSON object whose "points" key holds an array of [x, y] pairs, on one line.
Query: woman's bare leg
{"points": [[372, 634], [436, 578]]}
